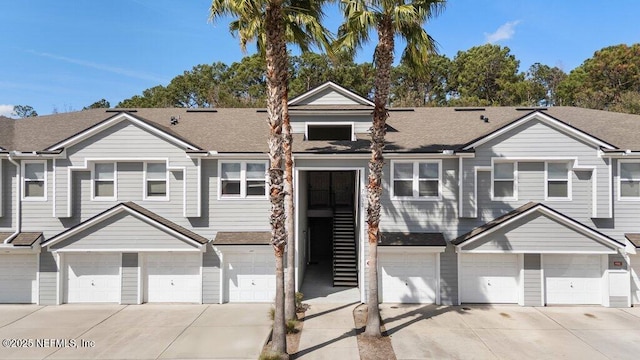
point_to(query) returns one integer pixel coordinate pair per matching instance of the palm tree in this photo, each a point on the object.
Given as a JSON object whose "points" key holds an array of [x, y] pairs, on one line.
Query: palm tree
{"points": [[391, 19], [271, 23]]}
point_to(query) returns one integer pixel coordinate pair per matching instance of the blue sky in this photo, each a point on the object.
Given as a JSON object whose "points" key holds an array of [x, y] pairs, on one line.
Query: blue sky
{"points": [[64, 55]]}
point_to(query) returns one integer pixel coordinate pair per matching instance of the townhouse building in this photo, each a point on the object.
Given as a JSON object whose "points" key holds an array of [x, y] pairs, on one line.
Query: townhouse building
{"points": [[530, 206]]}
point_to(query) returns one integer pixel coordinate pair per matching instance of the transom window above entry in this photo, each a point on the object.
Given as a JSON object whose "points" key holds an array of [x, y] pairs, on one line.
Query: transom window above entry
{"points": [[330, 131], [242, 179], [629, 180], [416, 180]]}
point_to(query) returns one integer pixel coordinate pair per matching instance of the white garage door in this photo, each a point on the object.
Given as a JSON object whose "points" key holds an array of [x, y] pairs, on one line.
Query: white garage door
{"points": [[572, 279], [635, 279], [489, 278], [408, 278], [251, 277], [174, 277], [93, 278], [18, 278]]}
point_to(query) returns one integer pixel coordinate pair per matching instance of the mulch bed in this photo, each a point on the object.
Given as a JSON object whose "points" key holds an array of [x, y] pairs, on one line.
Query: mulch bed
{"points": [[371, 348], [293, 339]]}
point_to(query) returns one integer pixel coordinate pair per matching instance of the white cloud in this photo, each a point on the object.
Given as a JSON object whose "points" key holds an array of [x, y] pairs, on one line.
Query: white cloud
{"points": [[504, 32], [6, 110], [103, 67]]}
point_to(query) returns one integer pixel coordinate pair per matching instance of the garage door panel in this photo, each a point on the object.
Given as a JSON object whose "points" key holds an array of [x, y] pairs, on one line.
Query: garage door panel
{"points": [[173, 277], [250, 277], [408, 278], [573, 279], [93, 278], [18, 278], [490, 278]]}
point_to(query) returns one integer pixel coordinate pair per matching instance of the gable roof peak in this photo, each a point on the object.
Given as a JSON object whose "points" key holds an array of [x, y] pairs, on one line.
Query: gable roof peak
{"points": [[330, 86]]}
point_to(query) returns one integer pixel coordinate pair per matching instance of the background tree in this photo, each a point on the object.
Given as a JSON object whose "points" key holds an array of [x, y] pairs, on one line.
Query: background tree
{"points": [[602, 81], [389, 19], [24, 111], [425, 88], [100, 104], [549, 79], [480, 75]]}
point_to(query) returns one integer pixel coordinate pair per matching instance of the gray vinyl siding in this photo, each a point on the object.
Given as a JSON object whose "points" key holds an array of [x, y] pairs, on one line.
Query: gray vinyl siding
{"points": [[232, 214], [423, 215], [129, 292], [38, 215], [122, 232], [534, 233], [627, 212], [2, 181], [532, 280], [48, 279], [449, 276], [8, 203], [210, 276]]}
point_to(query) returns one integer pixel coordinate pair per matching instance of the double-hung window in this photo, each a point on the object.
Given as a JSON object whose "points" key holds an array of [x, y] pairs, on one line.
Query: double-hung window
{"points": [[418, 179], [504, 180], [558, 185], [155, 181], [104, 181], [629, 186], [34, 180], [243, 179]]}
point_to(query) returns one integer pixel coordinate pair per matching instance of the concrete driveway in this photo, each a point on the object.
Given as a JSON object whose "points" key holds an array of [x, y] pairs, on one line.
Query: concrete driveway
{"points": [[512, 332], [168, 331]]}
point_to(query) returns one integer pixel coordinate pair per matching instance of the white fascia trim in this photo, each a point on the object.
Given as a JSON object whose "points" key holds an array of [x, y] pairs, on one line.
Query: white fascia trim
{"points": [[120, 250], [547, 120], [214, 155], [412, 249], [329, 84], [243, 249], [116, 120], [114, 211], [603, 252], [621, 155], [11, 249], [330, 123], [567, 222]]}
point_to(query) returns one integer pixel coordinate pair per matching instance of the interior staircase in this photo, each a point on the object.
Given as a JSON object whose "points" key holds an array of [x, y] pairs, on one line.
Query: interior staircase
{"points": [[345, 259]]}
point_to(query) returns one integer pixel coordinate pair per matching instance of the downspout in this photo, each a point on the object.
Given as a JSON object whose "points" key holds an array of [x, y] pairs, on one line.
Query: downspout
{"points": [[18, 199]]}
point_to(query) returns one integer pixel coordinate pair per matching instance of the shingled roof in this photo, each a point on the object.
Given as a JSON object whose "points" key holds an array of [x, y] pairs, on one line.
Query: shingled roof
{"points": [[245, 130]]}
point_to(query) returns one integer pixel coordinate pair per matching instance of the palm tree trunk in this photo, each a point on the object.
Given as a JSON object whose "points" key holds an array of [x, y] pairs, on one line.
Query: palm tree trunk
{"points": [[276, 61], [290, 286], [383, 60]]}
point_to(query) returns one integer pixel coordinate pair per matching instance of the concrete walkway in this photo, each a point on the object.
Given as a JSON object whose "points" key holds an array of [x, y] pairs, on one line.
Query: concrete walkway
{"points": [[512, 332], [328, 333], [150, 331]]}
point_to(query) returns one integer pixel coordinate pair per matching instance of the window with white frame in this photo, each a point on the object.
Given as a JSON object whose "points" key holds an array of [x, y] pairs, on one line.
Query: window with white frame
{"points": [[504, 180], [242, 179], [629, 173], [34, 180], [104, 181], [156, 180], [557, 174], [417, 179]]}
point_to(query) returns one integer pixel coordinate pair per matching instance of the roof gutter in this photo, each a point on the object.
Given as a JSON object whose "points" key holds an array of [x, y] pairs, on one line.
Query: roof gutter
{"points": [[619, 153], [18, 199]]}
